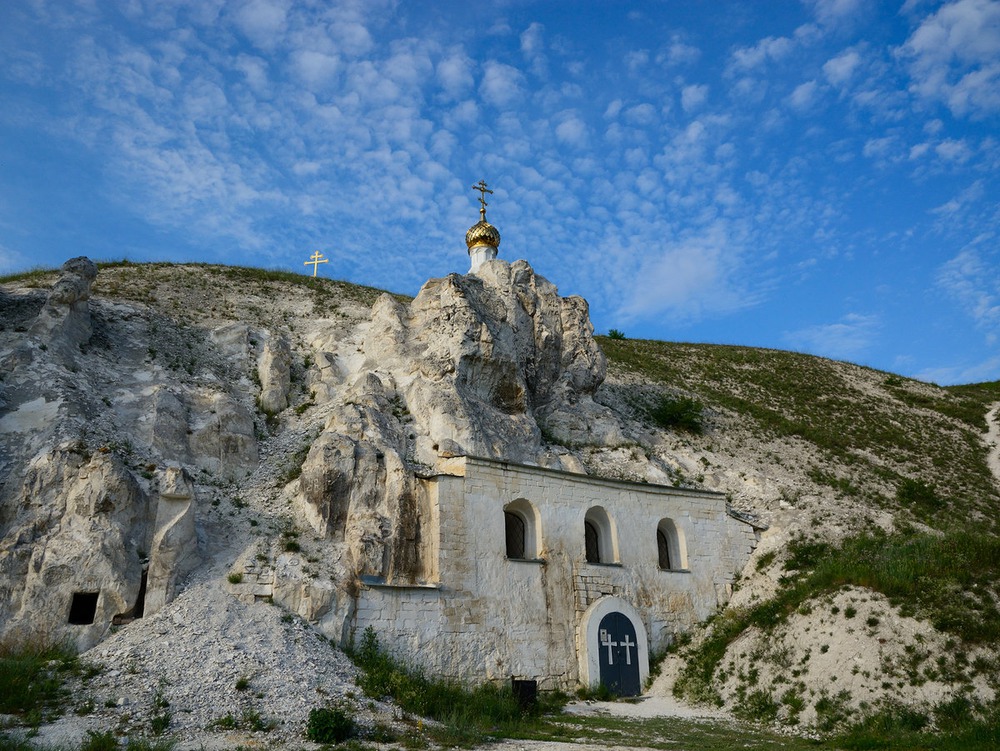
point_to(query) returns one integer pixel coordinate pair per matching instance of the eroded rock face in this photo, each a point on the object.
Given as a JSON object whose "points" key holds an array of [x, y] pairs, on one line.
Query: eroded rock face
{"points": [[87, 522], [486, 362], [480, 365], [274, 369], [64, 322], [174, 546], [97, 509]]}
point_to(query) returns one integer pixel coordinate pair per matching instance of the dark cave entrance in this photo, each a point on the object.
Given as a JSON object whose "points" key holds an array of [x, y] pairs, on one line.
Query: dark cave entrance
{"points": [[83, 608]]}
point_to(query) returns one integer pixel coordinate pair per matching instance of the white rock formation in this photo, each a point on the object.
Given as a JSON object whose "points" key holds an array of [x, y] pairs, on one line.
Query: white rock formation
{"points": [[274, 369], [64, 322], [174, 548]]}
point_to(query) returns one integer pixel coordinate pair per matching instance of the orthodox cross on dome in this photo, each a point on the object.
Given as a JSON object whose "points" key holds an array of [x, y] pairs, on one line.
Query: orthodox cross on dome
{"points": [[314, 261], [483, 190], [483, 238]]}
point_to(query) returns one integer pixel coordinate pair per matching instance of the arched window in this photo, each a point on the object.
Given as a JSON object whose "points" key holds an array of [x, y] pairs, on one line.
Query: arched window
{"points": [[514, 525], [663, 548], [671, 546], [522, 527], [591, 539], [599, 536]]}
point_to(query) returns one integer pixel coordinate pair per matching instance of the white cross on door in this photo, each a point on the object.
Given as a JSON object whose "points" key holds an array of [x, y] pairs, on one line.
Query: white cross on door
{"points": [[606, 642], [628, 644]]}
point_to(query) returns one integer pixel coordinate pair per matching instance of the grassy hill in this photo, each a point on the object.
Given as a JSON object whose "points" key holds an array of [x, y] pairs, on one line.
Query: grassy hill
{"points": [[890, 441]]}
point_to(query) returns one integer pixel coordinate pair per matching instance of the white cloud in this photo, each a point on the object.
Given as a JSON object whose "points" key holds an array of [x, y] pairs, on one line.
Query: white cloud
{"points": [[255, 71], [262, 21], [316, 69], [572, 131], [502, 85], [687, 279], [986, 370], [804, 96], [533, 48], [352, 38], [692, 97], [848, 338], [838, 70], [767, 49], [953, 150], [878, 148], [679, 53], [974, 282], [954, 57], [454, 73], [833, 12]]}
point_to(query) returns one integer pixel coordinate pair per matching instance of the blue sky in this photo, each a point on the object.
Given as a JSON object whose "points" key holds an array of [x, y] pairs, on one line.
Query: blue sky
{"points": [[814, 175]]}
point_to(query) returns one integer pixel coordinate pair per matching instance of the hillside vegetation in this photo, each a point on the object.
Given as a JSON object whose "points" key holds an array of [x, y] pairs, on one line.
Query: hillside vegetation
{"points": [[881, 439]]}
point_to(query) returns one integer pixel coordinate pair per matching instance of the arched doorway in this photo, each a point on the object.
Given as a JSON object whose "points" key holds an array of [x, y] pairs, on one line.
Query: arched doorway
{"points": [[619, 655], [612, 647]]}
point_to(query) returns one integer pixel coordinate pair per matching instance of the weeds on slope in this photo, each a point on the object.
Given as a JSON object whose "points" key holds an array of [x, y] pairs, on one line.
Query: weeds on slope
{"points": [[467, 715], [948, 580]]}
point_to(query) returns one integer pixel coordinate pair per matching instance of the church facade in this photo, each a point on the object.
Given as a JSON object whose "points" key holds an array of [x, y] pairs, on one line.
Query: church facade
{"points": [[553, 577]]}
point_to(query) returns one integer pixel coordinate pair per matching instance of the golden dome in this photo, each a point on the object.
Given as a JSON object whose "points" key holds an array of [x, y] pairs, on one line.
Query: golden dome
{"points": [[482, 233]]}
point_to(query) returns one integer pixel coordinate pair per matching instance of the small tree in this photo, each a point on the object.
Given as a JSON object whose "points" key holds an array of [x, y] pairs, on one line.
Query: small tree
{"points": [[680, 412], [616, 334], [329, 725]]}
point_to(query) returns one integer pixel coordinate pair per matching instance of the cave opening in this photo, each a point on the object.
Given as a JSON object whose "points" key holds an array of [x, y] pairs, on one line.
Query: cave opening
{"points": [[83, 608]]}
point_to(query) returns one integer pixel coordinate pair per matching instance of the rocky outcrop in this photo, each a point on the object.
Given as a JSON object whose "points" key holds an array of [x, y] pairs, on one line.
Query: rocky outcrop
{"points": [[487, 364], [75, 560], [64, 322], [221, 435], [174, 548], [274, 369]]}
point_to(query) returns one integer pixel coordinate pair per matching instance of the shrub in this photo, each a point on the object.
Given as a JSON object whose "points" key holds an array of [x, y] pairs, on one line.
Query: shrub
{"points": [[680, 412], [329, 725], [99, 742], [616, 334], [235, 578], [918, 495], [160, 723]]}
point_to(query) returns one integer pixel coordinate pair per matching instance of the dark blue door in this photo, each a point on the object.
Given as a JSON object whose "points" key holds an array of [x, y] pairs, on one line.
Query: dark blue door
{"points": [[619, 653]]}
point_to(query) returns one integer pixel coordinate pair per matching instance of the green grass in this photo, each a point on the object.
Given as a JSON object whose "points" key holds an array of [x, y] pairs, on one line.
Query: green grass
{"points": [[103, 741], [950, 580], [32, 677], [897, 728], [467, 715], [671, 733]]}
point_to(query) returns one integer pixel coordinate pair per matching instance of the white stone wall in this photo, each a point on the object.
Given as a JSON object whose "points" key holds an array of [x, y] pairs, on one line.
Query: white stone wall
{"points": [[490, 618]]}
